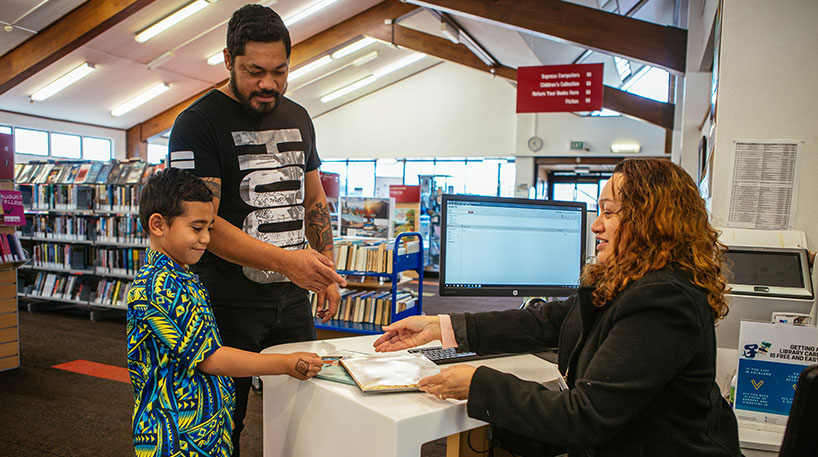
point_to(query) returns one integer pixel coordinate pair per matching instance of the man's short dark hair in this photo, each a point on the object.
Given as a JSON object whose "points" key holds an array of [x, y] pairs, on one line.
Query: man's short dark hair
{"points": [[166, 190], [254, 22]]}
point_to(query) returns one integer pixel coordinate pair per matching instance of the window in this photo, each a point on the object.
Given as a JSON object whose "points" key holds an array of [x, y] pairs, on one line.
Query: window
{"points": [[389, 168], [508, 178], [415, 168], [652, 83], [157, 153], [96, 148], [361, 178], [34, 142], [451, 176], [482, 177], [66, 146], [5, 129]]}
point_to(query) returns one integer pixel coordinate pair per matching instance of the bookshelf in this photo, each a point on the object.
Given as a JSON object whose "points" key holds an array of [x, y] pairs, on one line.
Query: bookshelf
{"points": [[83, 233], [368, 305]]}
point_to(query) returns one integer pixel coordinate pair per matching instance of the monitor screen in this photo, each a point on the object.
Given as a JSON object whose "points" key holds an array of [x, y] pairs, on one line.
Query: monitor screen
{"points": [[492, 246], [768, 271]]}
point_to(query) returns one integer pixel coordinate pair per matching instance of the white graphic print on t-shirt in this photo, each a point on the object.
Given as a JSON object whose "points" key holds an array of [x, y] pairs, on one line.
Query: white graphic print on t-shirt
{"points": [[275, 186]]}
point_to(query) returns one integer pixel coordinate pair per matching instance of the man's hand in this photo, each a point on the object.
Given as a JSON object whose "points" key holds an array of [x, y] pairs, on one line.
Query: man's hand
{"points": [[328, 301], [408, 333], [452, 382], [302, 365], [311, 270]]}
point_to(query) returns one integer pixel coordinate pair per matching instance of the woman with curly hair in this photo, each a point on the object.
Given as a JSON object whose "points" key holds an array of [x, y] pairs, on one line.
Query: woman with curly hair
{"points": [[637, 344]]}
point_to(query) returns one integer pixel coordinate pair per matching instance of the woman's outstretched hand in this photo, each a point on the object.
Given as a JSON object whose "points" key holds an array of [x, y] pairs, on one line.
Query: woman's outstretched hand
{"points": [[408, 333]]}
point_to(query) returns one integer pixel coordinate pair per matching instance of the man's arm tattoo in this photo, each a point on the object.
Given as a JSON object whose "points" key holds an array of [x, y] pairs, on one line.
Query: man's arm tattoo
{"points": [[215, 186], [318, 220]]}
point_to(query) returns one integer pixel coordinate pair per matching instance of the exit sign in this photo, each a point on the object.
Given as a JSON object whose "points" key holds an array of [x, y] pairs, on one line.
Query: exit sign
{"points": [[577, 145]]}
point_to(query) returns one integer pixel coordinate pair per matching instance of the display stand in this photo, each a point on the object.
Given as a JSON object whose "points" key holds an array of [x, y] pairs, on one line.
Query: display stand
{"points": [[401, 262], [9, 320]]}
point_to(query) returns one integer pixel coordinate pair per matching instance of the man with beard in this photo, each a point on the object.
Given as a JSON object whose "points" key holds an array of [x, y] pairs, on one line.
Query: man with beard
{"points": [[255, 149]]}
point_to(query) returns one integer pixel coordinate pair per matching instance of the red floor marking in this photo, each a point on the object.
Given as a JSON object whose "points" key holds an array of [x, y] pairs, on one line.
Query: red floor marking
{"points": [[99, 370]]}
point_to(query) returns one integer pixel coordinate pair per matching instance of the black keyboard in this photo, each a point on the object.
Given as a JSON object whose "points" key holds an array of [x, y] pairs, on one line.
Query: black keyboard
{"points": [[439, 355]]}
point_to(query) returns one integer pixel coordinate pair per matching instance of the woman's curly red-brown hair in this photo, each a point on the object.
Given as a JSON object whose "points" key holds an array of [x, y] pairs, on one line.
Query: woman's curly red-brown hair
{"points": [[663, 221]]}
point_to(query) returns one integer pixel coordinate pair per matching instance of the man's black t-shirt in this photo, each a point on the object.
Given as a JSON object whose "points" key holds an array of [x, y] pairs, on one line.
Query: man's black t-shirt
{"points": [[261, 161]]}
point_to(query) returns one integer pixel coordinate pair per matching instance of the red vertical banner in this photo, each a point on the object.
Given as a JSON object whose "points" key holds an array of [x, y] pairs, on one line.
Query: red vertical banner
{"points": [[559, 88], [331, 183]]}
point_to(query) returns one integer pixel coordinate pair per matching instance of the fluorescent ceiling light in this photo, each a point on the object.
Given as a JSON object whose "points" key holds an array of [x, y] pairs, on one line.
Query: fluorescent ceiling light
{"points": [[345, 90], [144, 97], [365, 59], [347, 50], [170, 21], [312, 66], [381, 72], [397, 65], [216, 59], [62, 82], [625, 148], [312, 9]]}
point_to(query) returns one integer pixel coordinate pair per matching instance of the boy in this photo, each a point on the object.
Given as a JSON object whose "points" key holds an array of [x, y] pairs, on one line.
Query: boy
{"points": [[183, 397]]}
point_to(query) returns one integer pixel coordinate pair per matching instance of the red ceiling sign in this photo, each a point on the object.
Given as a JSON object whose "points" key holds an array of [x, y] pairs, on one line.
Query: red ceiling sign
{"points": [[559, 88]]}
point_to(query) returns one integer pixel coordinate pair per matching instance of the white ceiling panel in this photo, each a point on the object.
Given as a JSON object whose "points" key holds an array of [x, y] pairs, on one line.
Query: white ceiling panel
{"points": [[28, 17], [91, 99]]}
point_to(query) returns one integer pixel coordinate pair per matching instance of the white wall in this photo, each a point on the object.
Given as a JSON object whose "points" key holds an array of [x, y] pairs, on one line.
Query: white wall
{"points": [[558, 130], [446, 111], [768, 91], [21, 120]]}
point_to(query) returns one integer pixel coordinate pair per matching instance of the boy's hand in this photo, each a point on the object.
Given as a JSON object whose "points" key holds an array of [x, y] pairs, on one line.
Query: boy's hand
{"points": [[302, 365], [311, 270]]}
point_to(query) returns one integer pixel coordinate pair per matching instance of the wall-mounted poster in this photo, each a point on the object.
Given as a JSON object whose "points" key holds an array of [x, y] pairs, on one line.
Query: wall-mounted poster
{"points": [[366, 217]]}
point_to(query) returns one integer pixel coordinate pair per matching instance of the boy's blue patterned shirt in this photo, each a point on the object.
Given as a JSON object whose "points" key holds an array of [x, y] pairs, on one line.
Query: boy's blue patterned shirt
{"points": [[178, 410]]}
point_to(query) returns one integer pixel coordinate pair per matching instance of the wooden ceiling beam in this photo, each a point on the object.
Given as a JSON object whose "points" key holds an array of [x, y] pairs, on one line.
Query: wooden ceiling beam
{"points": [[653, 44], [642, 108], [65, 35], [436, 46], [301, 52]]}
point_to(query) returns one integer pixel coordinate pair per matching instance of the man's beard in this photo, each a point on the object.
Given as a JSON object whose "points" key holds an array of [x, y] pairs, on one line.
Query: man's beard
{"points": [[264, 108]]}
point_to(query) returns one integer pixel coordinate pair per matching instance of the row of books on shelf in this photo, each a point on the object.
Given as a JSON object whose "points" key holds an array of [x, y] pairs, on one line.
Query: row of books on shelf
{"points": [[11, 250], [112, 198], [121, 229], [120, 261], [62, 227], [83, 172], [373, 307], [118, 198], [60, 198], [71, 228], [373, 256], [62, 256], [56, 286]]}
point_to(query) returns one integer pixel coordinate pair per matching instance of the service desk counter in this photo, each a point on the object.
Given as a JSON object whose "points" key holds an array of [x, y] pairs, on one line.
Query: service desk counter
{"points": [[325, 418]]}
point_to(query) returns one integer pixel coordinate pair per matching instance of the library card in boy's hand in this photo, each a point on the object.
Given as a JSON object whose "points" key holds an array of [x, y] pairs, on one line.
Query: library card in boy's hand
{"points": [[389, 372]]}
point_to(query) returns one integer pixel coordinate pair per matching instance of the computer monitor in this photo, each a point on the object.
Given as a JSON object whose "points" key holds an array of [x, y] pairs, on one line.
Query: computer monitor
{"points": [[492, 246]]}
